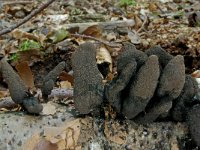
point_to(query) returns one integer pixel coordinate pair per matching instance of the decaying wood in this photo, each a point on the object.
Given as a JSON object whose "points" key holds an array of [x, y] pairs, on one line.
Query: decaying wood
{"points": [[109, 25]]}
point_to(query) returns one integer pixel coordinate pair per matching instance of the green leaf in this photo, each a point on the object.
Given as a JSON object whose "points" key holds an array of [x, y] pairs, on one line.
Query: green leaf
{"points": [[58, 35], [13, 57], [29, 44]]}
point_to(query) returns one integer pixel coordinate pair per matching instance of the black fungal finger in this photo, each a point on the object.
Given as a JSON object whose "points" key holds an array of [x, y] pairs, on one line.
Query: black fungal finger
{"points": [[162, 107], [193, 121], [50, 79], [18, 91], [113, 90], [88, 86], [130, 53], [32, 106], [172, 78], [162, 55], [185, 100], [142, 88]]}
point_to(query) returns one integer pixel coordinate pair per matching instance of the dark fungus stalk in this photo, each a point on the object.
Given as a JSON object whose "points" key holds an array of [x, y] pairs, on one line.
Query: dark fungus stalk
{"points": [[19, 93]]}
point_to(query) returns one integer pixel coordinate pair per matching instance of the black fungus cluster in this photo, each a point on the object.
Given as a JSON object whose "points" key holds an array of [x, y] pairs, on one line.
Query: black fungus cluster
{"points": [[152, 85], [149, 86]]}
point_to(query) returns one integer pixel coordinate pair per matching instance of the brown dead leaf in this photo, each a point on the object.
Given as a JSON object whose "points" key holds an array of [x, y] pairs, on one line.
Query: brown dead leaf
{"points": [[93, 31], [152, 7], [138, 22], [196, 74], [64, 76], [66, 137], [4, 93], [25, 73], [48, 109], [19, 34], [30, 56]]}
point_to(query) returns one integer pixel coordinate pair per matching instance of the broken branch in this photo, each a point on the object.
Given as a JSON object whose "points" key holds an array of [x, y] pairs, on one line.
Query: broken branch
{"points": [[27, 18]]}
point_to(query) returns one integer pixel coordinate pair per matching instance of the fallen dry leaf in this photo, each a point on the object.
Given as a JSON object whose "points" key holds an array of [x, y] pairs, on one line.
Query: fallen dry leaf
{"points": [[25, 73], [138, 22], [65, 85], [66, 136], [64, 76], [93, 31], [4, 93], [196, 74], [111, 36], [103, 55], [19, 34], [48, 109]]}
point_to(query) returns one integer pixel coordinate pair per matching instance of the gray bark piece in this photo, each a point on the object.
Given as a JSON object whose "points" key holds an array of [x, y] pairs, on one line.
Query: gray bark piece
{"points": [[193, 120], [142, 88], [163, 56], [129, 53], [114, 89], [50, 79], [88, 86], [173, 78]]}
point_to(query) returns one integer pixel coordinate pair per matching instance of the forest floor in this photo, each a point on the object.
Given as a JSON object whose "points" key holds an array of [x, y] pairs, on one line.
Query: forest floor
{"points": [[37, 46]]}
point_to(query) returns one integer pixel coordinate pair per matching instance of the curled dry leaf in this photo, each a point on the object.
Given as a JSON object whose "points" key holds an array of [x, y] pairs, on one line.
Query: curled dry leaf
{"points": [[103, 55], [19, 34]]}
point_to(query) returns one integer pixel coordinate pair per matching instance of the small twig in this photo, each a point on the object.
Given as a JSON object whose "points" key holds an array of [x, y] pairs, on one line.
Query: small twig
{"points": [[143, 24], [95, 39], [17, 2], [32, 14]]}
